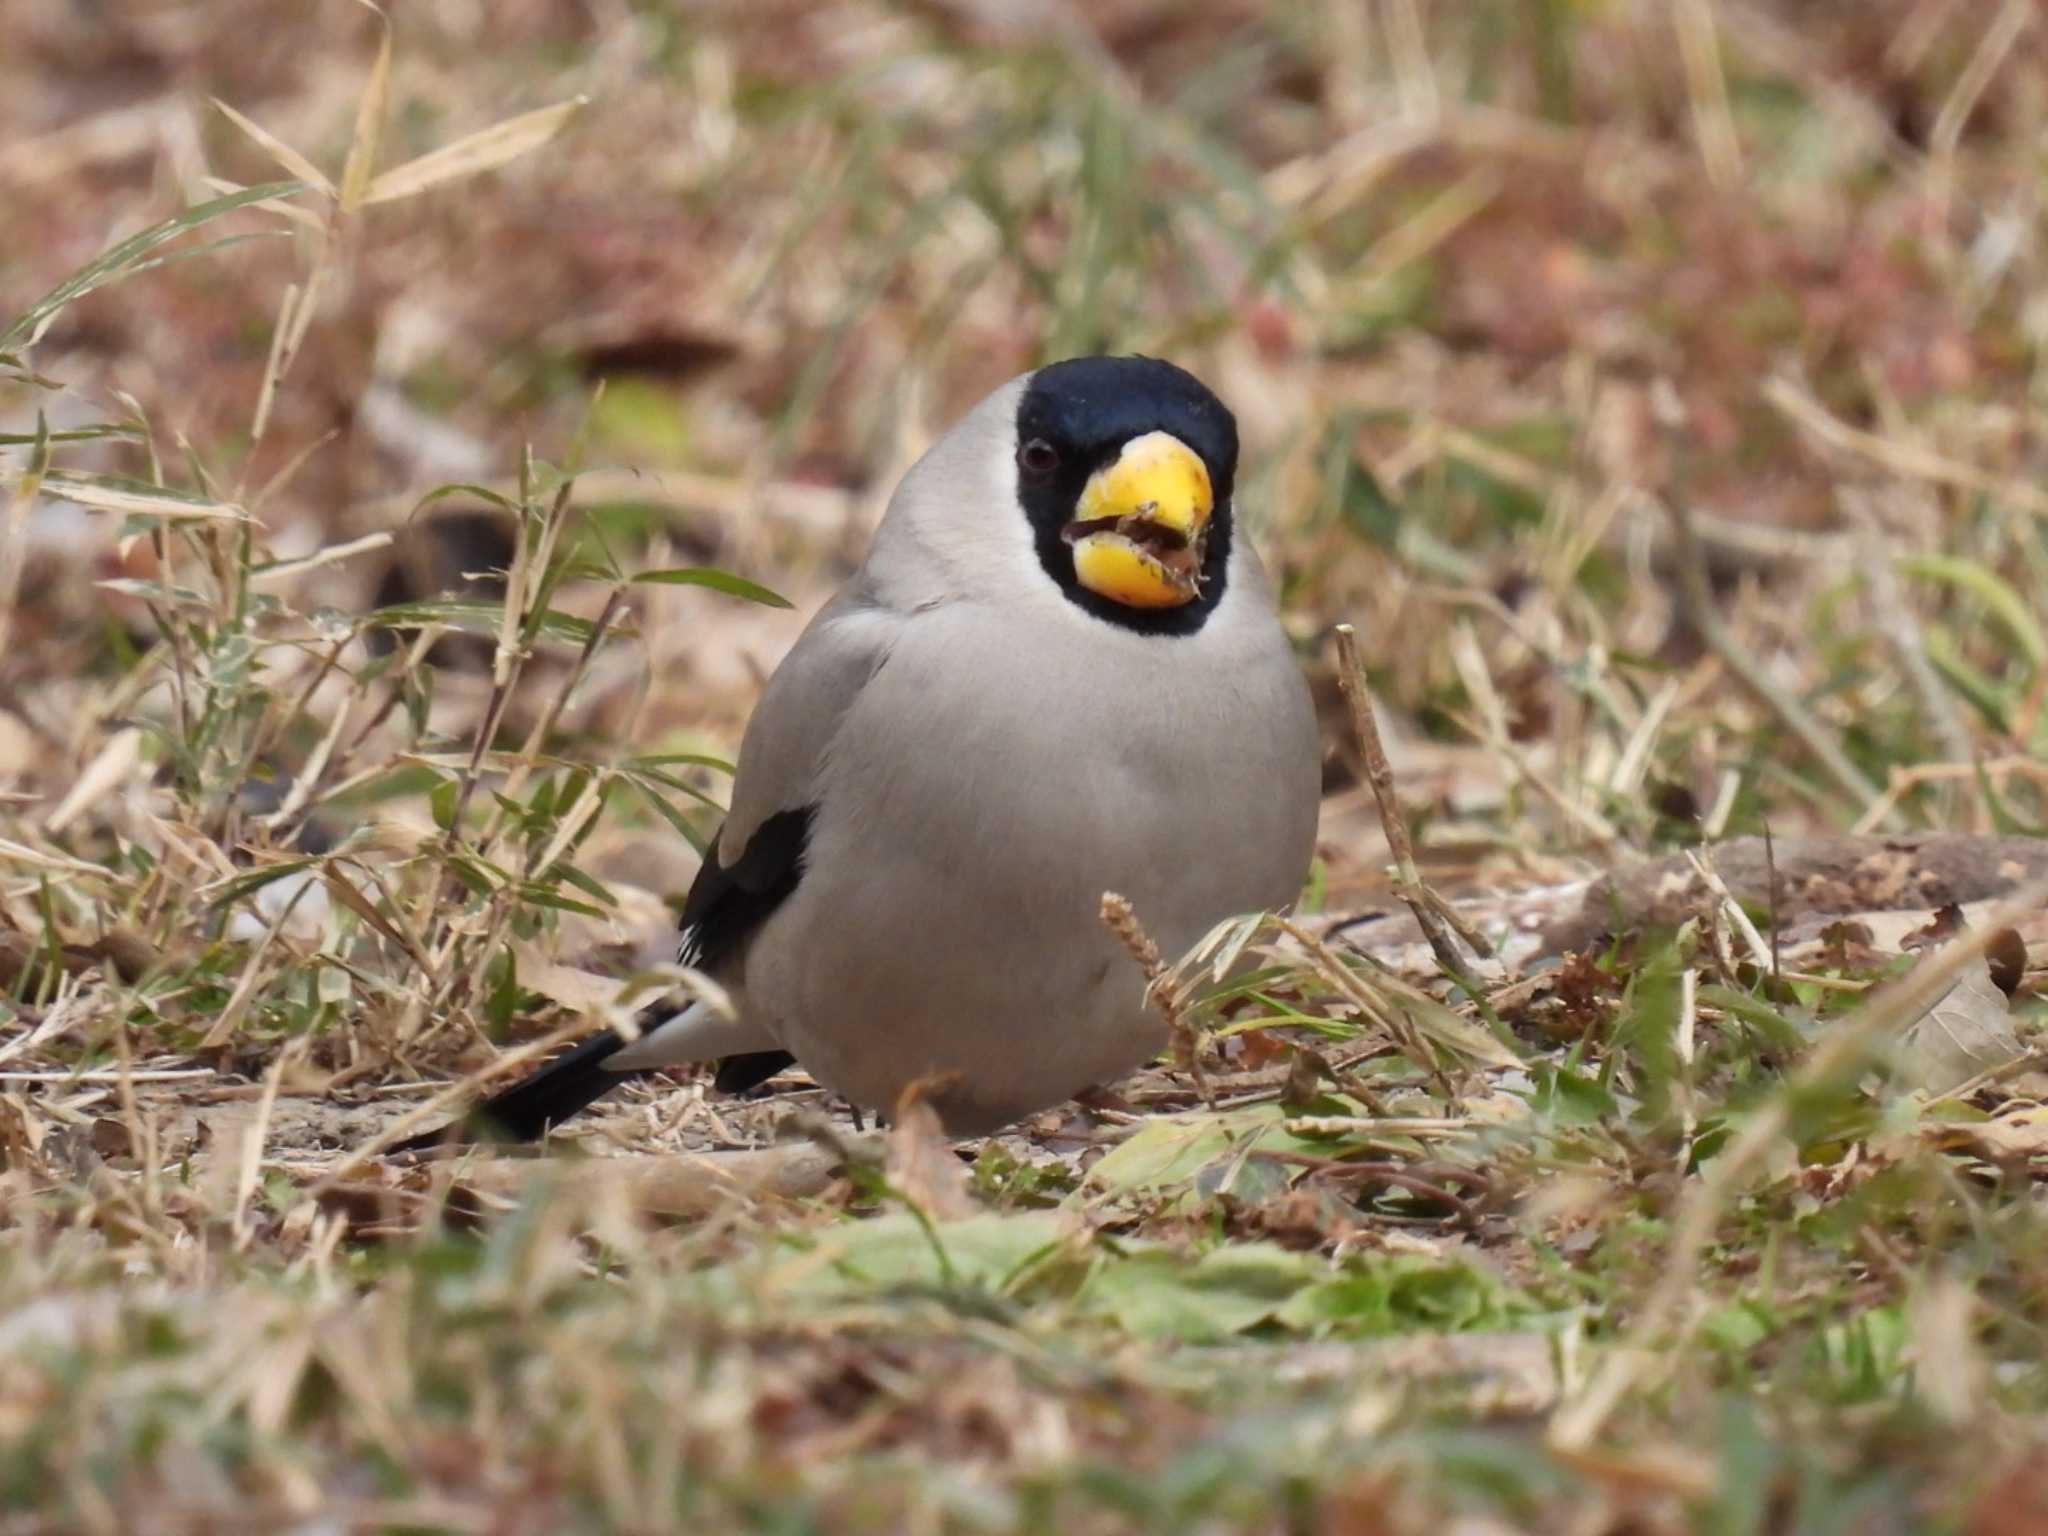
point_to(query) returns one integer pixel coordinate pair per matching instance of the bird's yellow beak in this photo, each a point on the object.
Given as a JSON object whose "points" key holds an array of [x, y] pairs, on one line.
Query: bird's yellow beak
{"points": [[1138, 529]]}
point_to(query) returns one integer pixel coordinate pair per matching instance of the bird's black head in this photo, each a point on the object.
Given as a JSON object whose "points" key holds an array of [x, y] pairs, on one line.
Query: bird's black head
{"points": [[1125, 467]]}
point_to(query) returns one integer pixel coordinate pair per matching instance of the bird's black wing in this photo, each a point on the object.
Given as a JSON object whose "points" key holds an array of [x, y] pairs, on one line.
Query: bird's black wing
{"points": [[726, 905], [728, 902]]}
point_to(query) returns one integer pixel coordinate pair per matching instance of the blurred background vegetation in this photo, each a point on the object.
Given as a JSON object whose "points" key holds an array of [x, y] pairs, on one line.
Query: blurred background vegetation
{"points": [[1483, 284]]}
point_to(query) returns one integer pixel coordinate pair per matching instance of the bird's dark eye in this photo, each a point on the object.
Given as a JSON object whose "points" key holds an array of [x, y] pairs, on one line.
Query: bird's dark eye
{"points": [[1038, 458]]}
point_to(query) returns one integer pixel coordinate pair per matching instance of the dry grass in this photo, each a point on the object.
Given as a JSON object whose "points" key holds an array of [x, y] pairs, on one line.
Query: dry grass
{"points": [[1653, 391]]}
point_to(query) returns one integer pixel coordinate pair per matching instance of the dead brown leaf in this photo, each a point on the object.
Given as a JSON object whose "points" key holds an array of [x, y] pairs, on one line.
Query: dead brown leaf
{"points": [[920, 1161], [1946, 923], [2017, 1133], [1969, 1030]]}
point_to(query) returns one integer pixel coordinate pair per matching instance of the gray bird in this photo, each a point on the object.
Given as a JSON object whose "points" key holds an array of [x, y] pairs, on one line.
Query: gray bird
{"points": [[1058, 673]]}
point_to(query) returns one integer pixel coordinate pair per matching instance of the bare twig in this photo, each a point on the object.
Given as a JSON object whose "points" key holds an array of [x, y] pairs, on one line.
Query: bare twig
{"points": [[1160, 989], [1429, 909]]}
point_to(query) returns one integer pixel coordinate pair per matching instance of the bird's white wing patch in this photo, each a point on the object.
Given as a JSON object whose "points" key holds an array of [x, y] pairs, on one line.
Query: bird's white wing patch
{"points": [[697, 1033]]}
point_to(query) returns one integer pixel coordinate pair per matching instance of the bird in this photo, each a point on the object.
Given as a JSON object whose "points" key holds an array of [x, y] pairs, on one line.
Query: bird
{"points": [[1059, 672]]}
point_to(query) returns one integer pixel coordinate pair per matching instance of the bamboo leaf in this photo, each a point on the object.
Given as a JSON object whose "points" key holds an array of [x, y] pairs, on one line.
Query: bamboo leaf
{"points": [[344, 891], [668, 813], [680, 786], [117, 262], [232, 889], [370, 111], [541, 896], [478, 619], [471, 156], [70, 435], [717, 581], [583, 881], [277, 149], [461, 488], [306, 218], [118, 493], [688, 759]]}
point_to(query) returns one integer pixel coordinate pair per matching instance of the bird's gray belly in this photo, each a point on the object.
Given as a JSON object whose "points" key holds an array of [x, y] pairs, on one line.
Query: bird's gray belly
{"points": [[949, 928]]}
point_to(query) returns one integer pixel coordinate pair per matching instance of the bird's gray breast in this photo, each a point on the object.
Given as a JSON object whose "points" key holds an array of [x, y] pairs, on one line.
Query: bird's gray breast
{"points": [[989, 784]]}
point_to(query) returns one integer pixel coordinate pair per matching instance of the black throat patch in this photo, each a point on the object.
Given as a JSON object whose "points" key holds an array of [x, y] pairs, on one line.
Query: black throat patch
{"points": [[1087, 409]]}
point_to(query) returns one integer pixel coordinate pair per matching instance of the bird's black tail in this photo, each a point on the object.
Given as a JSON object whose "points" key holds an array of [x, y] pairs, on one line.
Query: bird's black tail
{"points": [[575, 1080], [743, 1074], [570, 1082]]}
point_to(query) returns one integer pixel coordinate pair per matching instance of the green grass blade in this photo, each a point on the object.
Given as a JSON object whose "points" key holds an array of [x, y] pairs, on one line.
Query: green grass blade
{"points": [[116, 263], [717, 581]]}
